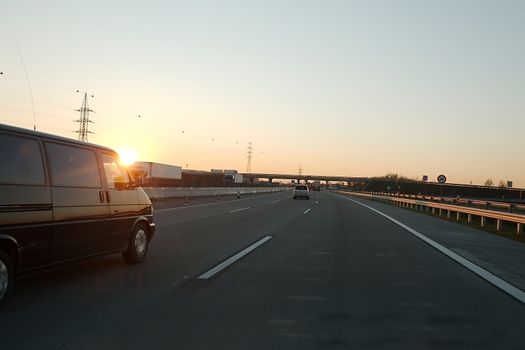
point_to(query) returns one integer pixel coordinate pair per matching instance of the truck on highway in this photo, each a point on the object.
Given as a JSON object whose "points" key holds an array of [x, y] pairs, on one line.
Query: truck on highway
{"points": [[232, 177], [156, 174]]}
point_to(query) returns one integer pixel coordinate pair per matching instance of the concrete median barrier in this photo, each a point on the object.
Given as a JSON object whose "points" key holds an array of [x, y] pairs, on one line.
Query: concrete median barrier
{"points": [[181, 192]]}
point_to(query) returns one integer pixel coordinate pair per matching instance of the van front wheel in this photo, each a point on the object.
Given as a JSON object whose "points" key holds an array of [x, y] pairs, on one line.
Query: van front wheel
{"points": [[138, 245], [6, 276]]}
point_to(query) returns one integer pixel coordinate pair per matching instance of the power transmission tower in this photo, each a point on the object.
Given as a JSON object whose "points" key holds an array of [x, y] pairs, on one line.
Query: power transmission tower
{"points": [[84, 120], [250, 152], [300, 170]]}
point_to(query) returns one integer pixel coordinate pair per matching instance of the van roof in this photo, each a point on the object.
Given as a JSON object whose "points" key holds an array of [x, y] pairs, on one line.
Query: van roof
{"points": [[50, 136]]}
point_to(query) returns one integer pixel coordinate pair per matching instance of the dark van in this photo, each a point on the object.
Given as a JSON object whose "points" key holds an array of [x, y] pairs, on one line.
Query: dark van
{"points": [[63, 200]]}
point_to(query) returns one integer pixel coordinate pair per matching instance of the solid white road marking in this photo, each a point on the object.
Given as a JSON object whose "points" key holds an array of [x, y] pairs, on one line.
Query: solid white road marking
{"points": [[231, 260], [307, 211], [275, 201], [238, 210], [481, 272]]}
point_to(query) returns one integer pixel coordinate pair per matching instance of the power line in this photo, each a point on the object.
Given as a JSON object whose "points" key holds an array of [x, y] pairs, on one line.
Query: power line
{"points": [[27, 78], [108, 128]]}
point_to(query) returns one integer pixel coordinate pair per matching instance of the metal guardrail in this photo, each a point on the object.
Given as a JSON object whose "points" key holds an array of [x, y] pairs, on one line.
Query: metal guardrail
{"points": [[509, 207], [441, 207]]}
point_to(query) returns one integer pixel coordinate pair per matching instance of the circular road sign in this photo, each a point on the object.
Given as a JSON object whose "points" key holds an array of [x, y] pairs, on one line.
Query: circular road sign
{"points": [[442, 179]]}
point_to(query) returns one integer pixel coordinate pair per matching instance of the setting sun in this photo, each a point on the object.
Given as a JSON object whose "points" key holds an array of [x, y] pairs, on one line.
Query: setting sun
{"points": [[127, 156]]}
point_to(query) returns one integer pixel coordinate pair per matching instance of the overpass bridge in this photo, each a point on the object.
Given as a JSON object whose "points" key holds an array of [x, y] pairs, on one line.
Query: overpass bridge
{"points": [[307, 178]]}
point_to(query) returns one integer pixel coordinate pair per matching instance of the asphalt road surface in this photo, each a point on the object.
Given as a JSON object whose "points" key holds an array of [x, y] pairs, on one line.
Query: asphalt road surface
{"points": [[269, 272]]}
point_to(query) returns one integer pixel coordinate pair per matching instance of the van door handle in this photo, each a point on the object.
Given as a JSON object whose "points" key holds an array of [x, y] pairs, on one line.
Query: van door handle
{"points": [[101, 196], [108, 198]]}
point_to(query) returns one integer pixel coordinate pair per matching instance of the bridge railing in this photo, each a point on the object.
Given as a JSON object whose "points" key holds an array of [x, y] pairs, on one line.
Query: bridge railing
{"points": [[439, 207]]}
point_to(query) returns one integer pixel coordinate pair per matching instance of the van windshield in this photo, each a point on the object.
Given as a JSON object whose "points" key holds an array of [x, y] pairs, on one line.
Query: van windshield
{"points": [[301, 188]]}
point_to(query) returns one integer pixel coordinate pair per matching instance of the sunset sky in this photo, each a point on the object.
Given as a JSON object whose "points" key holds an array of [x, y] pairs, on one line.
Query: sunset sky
{"points": [[359, 88]]}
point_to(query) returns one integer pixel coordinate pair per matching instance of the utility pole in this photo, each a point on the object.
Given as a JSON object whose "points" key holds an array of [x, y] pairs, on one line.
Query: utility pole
{"points": [[84, 120], [249, 163], [300, 170]]}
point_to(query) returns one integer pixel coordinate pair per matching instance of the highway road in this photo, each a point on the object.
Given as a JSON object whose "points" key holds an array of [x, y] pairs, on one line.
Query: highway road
{"points": [[333, 272]]}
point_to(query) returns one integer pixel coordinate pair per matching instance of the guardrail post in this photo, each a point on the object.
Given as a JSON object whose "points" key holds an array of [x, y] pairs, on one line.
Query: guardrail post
{"points": [[433, 210], [440, 211], [519, 228], [458, 216], [498, 224], [483, 221], [469, 218], [448, 214]]}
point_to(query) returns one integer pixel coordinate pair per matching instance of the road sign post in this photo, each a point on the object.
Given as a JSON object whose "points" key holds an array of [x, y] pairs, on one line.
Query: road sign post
{"points": [[441, 179]]}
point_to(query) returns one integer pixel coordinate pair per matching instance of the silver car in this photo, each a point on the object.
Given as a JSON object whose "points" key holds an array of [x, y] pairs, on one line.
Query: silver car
{"points": [[301, 191]]}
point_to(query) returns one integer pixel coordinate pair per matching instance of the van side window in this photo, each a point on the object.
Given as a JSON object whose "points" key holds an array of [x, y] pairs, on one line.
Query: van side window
{"points": [[115, 173], [73, 166], [21, 161]]}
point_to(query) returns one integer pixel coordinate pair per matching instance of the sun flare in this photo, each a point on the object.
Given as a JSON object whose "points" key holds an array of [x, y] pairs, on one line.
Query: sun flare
{"points": [[127, 156]]}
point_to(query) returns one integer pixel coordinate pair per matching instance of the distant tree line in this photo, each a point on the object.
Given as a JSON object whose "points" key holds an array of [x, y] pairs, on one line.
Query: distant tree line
{"points": [[490, 183], [395, 178]]}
